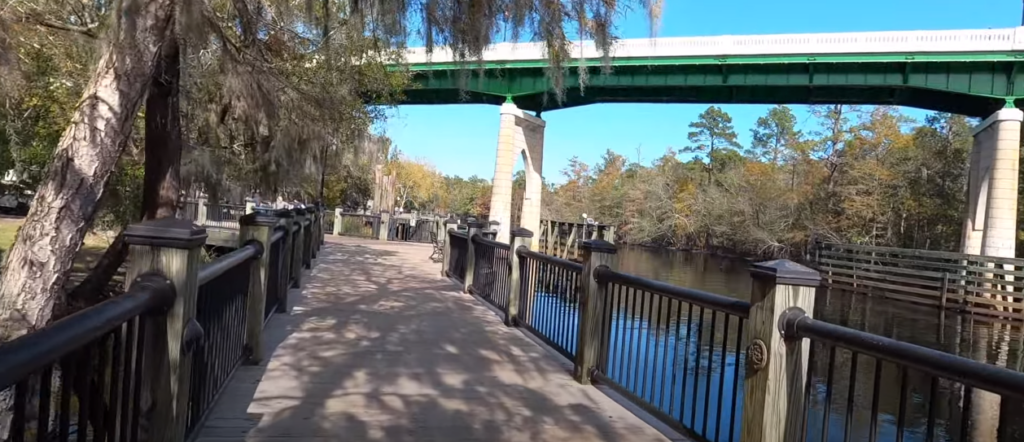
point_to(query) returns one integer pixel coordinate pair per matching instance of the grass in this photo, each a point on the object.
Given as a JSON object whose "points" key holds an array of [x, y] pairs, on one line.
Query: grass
{"points": [[91, 250]]}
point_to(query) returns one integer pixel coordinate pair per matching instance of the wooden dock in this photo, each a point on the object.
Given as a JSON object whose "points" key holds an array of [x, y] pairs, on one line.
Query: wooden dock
{"points": [[380, 347]]}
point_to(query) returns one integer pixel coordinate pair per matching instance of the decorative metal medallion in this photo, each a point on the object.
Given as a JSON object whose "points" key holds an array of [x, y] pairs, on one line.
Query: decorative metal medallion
{"points": [[757, 355]]}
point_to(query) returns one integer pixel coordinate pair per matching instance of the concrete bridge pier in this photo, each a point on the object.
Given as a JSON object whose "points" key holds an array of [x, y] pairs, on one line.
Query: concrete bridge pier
{"points": [[990, 224], [520, 134]]}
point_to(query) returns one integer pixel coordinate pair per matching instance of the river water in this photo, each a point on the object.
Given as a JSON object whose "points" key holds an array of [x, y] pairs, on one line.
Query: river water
{"points": [[693, 372]]}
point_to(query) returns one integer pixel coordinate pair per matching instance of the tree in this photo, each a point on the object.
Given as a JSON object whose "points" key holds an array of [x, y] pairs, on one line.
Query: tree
{"points": [[247, 38], [65, 203], [774, 136], [713, 130], [417, 182]]}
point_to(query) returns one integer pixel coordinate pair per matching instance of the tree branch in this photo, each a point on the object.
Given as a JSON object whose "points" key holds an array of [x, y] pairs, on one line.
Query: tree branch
{"points": [[88, 31], [83, 30]]}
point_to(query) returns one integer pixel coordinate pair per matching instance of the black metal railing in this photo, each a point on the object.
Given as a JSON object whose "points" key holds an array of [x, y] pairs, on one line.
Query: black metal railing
{"points": [[674, 351], [81, 377], [865, 387], [188, 210], [359, 226], [459, 250], [680, 354], [549, 299], [276, 287], [223, 215], [409, 230], [492, 271], [221, 307]]}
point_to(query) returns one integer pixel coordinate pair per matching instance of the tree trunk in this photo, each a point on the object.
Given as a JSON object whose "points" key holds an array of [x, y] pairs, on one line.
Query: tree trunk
{"points": [[161, 184], [65, 204]]}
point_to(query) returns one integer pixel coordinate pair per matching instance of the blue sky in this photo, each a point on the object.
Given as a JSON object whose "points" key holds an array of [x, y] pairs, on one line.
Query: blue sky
{"points": [[461, 139]]}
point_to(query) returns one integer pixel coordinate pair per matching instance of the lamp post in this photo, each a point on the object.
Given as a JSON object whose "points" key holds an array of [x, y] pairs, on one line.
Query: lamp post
{"points": [[323, 172]]}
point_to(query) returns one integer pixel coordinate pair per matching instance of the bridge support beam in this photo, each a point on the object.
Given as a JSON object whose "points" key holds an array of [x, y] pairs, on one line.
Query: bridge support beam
{"points": [[990, 224], [520, 134]]}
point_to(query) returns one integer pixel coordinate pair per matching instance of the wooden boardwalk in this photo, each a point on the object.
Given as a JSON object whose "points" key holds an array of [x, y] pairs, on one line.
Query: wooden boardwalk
{"points": [[379, 347]]}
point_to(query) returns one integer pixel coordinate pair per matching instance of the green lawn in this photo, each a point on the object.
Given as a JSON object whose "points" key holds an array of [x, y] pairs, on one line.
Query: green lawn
{"points": [[8, 229], [90, 252]]}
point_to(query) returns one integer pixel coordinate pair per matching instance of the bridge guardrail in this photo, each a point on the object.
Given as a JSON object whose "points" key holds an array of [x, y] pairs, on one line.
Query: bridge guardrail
{"points": [[885, 42]]}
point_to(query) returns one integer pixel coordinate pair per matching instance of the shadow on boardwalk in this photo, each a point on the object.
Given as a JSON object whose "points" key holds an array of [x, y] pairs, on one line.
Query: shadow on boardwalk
{"points": [[379, 347]]}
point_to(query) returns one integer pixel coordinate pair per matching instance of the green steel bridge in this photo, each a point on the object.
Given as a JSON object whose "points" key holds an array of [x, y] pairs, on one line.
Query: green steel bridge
{"points": [[969, 72]]}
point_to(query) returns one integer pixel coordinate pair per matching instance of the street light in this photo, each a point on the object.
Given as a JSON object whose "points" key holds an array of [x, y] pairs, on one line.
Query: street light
{"points": [[323, 172]]}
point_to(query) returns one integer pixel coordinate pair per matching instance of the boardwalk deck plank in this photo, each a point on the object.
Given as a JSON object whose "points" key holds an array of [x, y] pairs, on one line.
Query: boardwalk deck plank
{"points": [[378, 347]]}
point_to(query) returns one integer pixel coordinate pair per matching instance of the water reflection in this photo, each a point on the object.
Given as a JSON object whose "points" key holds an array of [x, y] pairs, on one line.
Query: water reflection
{"points": [[687, 362]]}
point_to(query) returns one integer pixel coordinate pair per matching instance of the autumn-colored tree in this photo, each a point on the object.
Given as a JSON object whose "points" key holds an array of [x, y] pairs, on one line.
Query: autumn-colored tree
{"points": [[418, 183], [861, 175]]}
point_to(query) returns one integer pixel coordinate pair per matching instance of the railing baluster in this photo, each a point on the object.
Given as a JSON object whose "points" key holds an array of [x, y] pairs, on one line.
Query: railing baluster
{"points": [[45, 397], [20, 404], [827, 404], [901, 415], [686, 364], [875, 396], [675, 352], [721, 380], [850, 396]]}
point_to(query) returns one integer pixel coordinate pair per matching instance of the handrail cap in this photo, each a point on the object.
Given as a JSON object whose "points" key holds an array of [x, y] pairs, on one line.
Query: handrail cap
{"points": [[599, 246], [786, 272], [520, 232], [259, 219], [166, 232]]}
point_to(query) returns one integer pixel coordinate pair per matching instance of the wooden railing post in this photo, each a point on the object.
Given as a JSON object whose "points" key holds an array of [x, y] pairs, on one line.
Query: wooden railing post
{"points": [[285, 219], [609, 234], [201, 211], [474, 228], [297, 244], [777, 370], [385, 226], [337, 221], [260, 227], [520, 237], [172, 247], [447, 248], [596, 253]]}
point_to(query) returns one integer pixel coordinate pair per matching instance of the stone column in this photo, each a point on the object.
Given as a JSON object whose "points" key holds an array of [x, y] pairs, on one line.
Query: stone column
{"points": [[520, 134], [990, 224]]}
